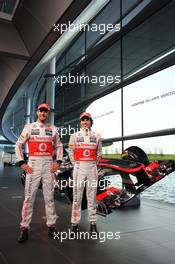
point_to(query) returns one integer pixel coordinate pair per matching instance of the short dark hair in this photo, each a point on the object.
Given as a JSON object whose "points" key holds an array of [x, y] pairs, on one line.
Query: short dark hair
{"points": [[89, 118]]}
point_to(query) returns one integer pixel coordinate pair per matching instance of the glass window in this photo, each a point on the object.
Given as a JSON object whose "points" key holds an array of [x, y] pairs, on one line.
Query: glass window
{"points": [[106, 113], [106, 68], [149, 40], [7, 6], [107, 16], [112, 150], [149, 103], [156, 147], [76, 50]]}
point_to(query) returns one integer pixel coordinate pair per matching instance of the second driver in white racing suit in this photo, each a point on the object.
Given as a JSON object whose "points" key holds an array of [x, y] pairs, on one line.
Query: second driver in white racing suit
{"points": [[85, 150]]}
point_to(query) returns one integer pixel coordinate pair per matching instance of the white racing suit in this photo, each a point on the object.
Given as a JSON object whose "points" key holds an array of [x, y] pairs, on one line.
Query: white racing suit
{"points": [[40, 138], [85, 150]]}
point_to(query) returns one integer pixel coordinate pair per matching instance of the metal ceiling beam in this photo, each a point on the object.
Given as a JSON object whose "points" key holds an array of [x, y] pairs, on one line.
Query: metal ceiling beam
{"points": [[71, 13]]}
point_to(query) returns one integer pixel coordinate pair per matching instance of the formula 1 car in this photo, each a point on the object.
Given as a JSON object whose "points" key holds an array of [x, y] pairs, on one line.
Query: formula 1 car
{"points": [[137, 173]]}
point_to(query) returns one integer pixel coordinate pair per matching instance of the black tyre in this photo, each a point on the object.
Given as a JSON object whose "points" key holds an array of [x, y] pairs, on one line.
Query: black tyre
{"points": [[135, 154]]}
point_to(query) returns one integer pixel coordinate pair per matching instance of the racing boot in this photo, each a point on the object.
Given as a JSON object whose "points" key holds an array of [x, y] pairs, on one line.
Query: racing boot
{"points": [[74, 231], [23, 237], [52, 232], [93, 228]]}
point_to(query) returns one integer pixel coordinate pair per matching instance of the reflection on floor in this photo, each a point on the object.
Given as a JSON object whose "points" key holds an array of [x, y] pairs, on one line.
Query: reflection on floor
{"points": [[147, 234]]}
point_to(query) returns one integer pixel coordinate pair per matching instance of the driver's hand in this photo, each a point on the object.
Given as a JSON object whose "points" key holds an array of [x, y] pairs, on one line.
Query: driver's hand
{"points": [[26, 168], [54, 167]]}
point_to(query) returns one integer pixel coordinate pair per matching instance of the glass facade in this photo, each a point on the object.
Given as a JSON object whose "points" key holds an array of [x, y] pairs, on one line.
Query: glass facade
{"points": [[106, 62], [149, 102], [155, 147], [149, 40], [101, 68], [134, 105], [106, 113], [120, 68], [7, 6]]}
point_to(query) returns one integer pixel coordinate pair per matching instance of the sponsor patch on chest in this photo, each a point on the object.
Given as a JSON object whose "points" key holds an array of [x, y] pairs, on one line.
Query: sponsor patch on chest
{"points": [[35, 132], [92, 139], [80, 139]]}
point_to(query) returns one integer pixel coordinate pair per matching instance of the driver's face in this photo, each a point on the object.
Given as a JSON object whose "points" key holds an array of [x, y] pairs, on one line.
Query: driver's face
{"points": [[85, 123], [42, 114]]}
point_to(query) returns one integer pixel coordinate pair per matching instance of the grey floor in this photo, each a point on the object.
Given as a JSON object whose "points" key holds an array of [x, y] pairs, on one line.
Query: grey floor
{"points": [[147, 233]]}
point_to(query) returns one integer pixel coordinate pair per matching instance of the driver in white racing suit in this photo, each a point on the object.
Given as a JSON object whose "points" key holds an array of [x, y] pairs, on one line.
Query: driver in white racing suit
{"points": [[85, 150], [41, 138]]}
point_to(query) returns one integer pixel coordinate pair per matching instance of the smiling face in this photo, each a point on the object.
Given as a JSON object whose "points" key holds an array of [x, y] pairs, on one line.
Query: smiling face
{"points": [[42, 115], [85, 122]]}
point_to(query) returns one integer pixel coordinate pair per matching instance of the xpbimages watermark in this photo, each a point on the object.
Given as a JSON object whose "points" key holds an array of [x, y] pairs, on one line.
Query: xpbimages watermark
{"points": [[101, 236], [63, 131], [102, 80], [102, 184], [102, 28]]}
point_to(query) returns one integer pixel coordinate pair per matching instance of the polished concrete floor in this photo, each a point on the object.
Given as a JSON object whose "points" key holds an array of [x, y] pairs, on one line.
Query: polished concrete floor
{"points": [[147, 233]]}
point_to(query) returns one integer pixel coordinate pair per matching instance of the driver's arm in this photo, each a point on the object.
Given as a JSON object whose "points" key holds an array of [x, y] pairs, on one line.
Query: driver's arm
{"points": [[72, 148]]}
